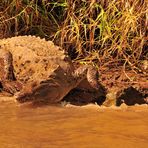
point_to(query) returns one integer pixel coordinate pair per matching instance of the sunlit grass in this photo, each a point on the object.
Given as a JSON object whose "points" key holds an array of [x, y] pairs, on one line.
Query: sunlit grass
{"points": [[106, 30]]}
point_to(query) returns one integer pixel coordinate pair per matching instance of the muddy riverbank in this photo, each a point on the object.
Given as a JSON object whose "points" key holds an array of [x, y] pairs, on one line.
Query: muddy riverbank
{"points": [[121, 86]]}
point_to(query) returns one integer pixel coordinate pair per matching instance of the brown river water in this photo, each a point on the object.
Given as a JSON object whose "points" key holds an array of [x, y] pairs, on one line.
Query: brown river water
{"points": [[90, 126]]}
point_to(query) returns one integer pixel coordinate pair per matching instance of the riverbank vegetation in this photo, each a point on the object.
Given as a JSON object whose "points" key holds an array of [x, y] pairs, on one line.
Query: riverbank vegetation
{"points": [[103, 31]]}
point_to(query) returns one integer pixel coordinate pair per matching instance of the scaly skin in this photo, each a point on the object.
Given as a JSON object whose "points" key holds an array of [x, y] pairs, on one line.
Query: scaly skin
{"points": [[36, 70]]}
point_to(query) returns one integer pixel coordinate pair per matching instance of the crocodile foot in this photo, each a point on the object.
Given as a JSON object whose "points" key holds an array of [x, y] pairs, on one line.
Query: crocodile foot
{"points": [[12, 86]]}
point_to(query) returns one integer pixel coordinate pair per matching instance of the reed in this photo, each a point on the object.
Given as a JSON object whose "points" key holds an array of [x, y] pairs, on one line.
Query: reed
{"points": [[103, 30]]}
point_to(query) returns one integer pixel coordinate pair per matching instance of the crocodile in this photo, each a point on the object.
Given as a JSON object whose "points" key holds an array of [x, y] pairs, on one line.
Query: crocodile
{"points": [[36, 70]]}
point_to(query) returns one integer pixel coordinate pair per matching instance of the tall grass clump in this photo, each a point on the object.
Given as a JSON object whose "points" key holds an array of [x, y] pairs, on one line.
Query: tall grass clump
{"points": [[107, 30], [37, 17], [102, 30]]}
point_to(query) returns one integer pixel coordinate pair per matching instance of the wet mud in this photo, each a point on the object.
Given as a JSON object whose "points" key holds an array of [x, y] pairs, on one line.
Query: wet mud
{"points": [[125, 86], [120, 86]]}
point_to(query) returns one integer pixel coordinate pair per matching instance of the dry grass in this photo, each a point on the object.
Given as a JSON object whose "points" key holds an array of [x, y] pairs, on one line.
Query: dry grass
{"points": [[19, 17], [106, 30]]}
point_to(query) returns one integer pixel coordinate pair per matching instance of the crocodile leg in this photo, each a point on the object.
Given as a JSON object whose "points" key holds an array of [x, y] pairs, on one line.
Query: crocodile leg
{"points": [[7, 66], [90, 73], [7, 77]]}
